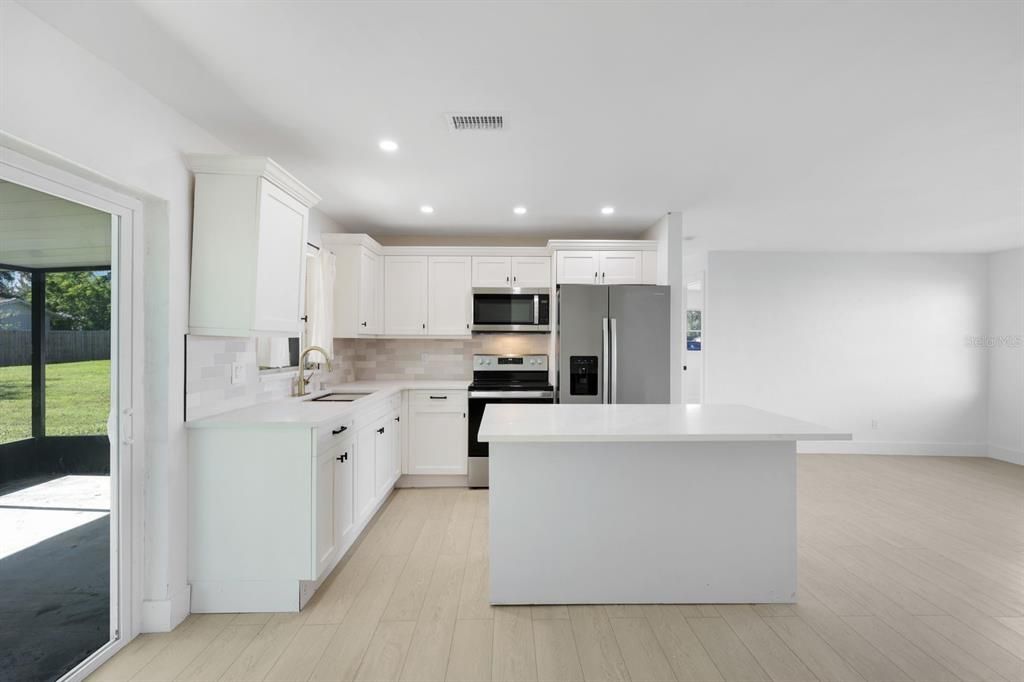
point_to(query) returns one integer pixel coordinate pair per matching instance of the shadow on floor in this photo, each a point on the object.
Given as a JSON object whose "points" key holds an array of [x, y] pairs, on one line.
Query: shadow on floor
{"points": [[55, 603]]}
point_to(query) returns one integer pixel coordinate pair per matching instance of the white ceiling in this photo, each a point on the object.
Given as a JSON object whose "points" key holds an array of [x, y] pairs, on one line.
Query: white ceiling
{"points": [[783, 125]]}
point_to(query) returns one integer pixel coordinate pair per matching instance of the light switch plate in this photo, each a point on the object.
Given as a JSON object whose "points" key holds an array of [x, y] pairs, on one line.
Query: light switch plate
{"points": [[237, 373]]}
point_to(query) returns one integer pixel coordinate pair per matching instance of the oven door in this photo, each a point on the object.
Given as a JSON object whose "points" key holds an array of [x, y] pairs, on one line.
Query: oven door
{"points": [[478, 400], [502, 310]]}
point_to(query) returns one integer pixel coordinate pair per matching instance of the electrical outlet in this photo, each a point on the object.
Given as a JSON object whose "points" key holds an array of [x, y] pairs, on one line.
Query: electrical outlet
{"points": [[237, 373]]}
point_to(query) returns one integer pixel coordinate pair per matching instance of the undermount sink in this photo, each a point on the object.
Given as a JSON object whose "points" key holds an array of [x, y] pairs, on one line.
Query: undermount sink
{"points": [[339, 397]]}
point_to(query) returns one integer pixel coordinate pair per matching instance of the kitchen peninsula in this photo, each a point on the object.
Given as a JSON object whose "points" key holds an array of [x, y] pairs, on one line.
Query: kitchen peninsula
{"points": [[617, 504]]}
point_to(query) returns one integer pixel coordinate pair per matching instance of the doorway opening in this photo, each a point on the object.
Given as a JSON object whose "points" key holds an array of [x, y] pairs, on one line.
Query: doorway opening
{"points": [[58, 407]]}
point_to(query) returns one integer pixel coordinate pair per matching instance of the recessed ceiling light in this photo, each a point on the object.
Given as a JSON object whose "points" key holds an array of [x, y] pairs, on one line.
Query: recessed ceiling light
{"points": [[519, 210], [426, 209], [607, 210], [388, 145]]}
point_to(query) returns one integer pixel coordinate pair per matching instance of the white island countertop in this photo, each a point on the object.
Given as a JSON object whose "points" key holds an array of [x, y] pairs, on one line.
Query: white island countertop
{"points": [[530, 423]]}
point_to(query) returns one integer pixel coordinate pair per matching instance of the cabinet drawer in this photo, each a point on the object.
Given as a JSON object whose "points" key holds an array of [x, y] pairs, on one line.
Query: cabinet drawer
{"points": [[333, 435], [437, 400]]}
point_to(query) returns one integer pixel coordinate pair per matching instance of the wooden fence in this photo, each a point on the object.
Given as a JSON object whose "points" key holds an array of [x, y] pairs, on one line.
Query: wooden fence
{"points": [[61, 346]]}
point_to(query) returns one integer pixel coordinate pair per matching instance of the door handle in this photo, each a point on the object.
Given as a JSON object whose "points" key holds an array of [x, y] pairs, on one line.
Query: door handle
{"points": [[615, 363], [604, 360]]}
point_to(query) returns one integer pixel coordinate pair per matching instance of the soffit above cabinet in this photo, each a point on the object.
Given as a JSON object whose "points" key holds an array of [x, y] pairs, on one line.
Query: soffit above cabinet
{"points": [[370, 243], [221, 164]]}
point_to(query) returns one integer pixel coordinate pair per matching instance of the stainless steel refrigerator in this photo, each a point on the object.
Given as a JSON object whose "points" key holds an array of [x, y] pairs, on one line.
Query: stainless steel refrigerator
{"points": [[613, 344]]}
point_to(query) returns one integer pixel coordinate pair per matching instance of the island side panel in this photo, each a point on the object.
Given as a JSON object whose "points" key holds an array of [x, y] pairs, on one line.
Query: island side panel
{"points": [[661, 522]]}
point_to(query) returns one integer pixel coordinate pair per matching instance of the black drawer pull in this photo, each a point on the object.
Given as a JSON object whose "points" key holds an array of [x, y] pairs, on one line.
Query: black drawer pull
{"points": [[398, 419], [381, 430], [340, 429], [363, 323], [439, 397]]}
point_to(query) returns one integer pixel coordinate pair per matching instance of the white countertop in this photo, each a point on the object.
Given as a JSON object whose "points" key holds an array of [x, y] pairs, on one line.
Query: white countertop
{"points": [[526, 423], [301, 411]]}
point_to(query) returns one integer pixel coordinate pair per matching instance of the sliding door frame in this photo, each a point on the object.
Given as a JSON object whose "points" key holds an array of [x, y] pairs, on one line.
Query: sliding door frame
{"points": [[32, 167]]}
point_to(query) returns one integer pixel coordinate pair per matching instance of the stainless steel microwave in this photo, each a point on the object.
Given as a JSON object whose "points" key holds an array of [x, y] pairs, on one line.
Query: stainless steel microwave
{"points": [[511, 310]]}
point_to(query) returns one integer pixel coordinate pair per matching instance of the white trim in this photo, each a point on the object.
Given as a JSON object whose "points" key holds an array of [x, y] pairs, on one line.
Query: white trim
{"points": [[432, 481], [38, 169], [229, 164], [603, 245], [164, 615], [860, 447], [1005, 454]]}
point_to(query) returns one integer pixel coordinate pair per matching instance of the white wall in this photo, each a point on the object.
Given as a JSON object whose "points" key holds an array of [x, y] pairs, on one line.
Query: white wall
{"points": [[78, 107], [1005, 344], [845, 340]]}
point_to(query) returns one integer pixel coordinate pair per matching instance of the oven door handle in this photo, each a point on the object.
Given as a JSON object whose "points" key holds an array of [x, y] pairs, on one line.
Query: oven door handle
{"points": [[512, 394]]}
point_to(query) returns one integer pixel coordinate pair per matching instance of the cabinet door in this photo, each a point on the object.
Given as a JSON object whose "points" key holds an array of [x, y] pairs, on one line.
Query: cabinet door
{"points": [[437, 440], [531, 272], [382, 458], [324, 512], [405, 295], [621, 267], [577, 267], [492, 271], [365, 471], [280, 262], [344, 500], [368, 289], [451, 294], [396, 446]]}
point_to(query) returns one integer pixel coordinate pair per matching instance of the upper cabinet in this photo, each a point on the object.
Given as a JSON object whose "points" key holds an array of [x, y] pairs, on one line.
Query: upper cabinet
{"points": [[358, 285], [405, 295], [606, 267], [498, 272], [450, 294], [248, 247]]}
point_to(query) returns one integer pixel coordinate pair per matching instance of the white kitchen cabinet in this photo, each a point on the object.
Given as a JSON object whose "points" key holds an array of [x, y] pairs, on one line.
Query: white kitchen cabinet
{"points": [[396, 444], [531, 272], [437, 432], [600, 267], [344, 502], [405, 295], [492, 271], [650, 267], [499, 272], [358, 287], [621, 267], [578, 267], [451, 295], [249, 225], [366, 470], [325, 529]]}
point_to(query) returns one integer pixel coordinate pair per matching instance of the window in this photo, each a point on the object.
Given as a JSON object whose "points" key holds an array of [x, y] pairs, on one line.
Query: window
{"points": [[693, 329]]}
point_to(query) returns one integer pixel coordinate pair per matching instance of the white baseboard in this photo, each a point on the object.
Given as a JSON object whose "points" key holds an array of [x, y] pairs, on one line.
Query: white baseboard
{"points": [[860, 447], [163, 615], [432, 481], [1006, 454]]}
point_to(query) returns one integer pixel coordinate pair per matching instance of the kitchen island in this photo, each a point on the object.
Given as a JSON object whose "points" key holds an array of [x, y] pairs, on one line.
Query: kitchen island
{"points": [[620, 504]]}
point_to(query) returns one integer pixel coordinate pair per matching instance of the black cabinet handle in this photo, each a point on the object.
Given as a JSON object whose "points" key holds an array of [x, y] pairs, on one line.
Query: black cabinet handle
{"points": [[363, 323], [340, 429], [602, 275], [398, 419], [506, 278], [381, 430], [467, 325], [342, 458], [424, 325], [439, 397]]}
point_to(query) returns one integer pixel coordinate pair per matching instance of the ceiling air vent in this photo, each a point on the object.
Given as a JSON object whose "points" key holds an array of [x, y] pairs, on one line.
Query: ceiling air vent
{"points": [[459, 122]]}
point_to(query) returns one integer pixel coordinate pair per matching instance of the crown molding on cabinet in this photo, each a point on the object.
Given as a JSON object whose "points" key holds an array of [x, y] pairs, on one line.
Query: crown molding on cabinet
{"points": [[221, 164], [602, 245]]}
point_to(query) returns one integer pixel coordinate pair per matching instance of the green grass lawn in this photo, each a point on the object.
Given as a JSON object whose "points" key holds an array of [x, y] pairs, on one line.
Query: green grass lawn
{"points": [[77, 399]]}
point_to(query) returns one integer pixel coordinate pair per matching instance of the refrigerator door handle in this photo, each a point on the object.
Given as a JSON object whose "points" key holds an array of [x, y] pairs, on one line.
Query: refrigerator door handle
{"points": [[604, 360], [614, 395]]}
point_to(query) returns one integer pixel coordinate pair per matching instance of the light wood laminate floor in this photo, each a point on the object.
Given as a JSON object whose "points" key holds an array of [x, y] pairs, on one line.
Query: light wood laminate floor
{"points": [[911, 568]]}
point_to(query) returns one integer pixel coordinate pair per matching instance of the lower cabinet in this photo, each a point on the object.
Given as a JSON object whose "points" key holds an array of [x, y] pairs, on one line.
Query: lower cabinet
{"points": [[344, 481], [326, 499], [437, 432]]}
